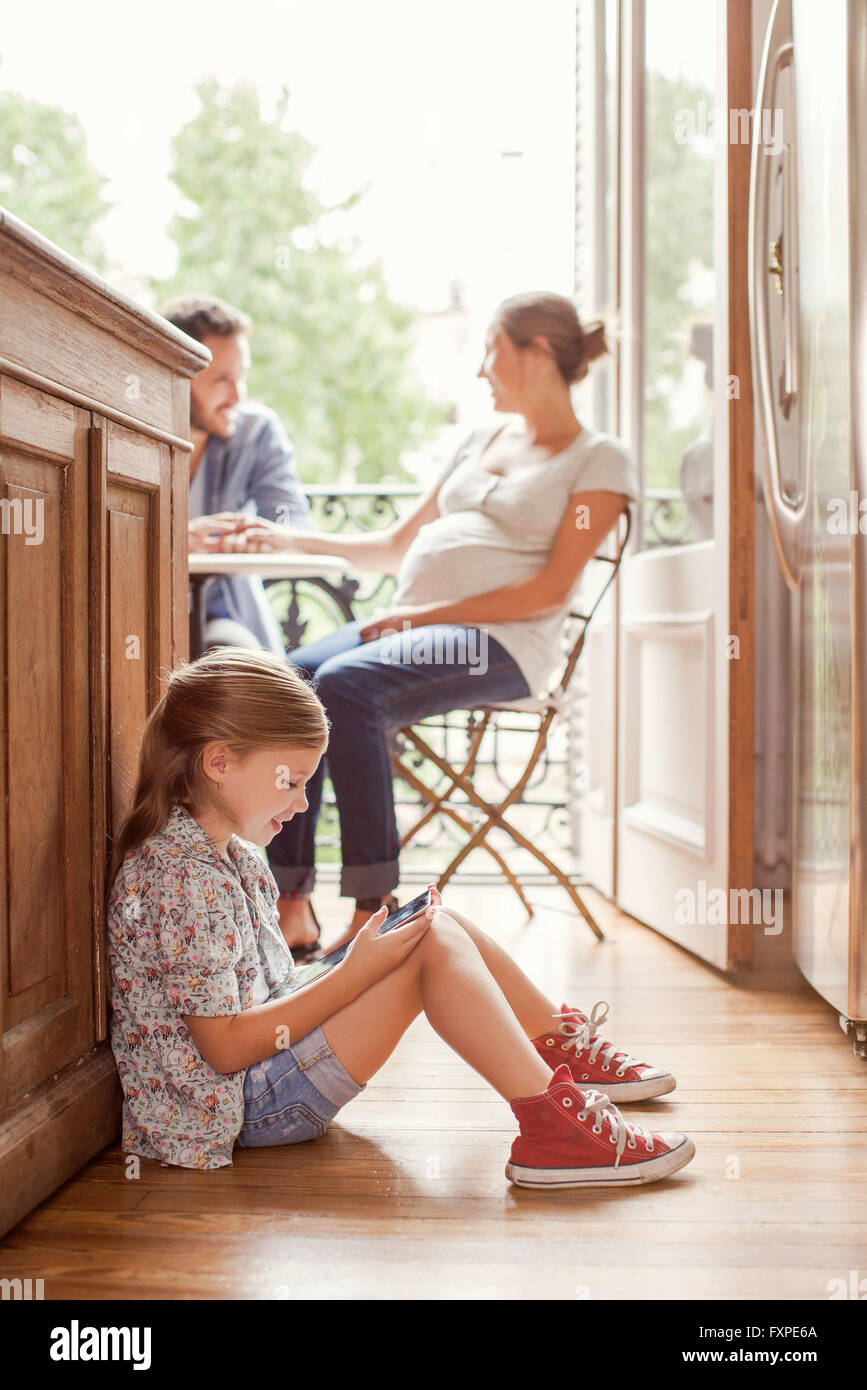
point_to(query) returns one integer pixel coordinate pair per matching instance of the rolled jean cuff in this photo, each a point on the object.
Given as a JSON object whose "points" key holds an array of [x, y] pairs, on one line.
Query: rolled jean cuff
{"points": [[369, 880], [321, 1065], [292, 878]]}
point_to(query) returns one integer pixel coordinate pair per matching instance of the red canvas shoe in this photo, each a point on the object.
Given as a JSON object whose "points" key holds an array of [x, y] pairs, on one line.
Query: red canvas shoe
{"points": [[575, 1138], [593, 1061]]}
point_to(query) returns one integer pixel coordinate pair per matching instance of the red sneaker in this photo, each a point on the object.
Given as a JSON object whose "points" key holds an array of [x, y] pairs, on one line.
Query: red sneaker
{"points": [[566, 1138], [590, 1058]]}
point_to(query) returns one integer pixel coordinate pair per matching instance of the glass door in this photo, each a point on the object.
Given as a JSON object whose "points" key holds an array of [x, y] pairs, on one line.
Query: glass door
{"points": [[671, 170]]}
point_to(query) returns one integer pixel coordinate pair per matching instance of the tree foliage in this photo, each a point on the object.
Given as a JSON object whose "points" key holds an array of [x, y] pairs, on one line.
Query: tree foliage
{"points": [[47, 178], [331, 351]]}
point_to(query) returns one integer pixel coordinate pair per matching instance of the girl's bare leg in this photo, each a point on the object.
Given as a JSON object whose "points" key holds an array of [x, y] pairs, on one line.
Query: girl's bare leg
{"points": [[446, 978], [532, 1008]]}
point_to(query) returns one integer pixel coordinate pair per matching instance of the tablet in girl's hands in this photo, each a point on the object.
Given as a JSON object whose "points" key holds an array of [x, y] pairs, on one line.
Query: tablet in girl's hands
{"points": [[306, 974], [406, 913]]}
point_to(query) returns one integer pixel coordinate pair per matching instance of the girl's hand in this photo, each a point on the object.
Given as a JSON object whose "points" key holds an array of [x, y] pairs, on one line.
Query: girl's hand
{"points": [[370, 957], [397, 619]]}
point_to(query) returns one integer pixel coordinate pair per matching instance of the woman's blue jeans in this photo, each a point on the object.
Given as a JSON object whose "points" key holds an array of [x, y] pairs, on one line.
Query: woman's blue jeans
{"points": [[369, 689]]}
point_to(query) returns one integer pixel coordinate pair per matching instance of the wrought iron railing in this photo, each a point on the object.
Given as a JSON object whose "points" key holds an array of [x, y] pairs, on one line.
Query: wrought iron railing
{"points": [[667, 519], [308, 608]]}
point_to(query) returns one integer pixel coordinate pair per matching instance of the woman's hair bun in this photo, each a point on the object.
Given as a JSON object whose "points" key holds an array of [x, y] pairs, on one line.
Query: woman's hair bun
{"points": [[594, 340], [540, 313]]}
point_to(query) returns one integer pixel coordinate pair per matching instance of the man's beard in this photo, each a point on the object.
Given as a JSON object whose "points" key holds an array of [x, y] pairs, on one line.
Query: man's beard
{"points": [[213, 423]]}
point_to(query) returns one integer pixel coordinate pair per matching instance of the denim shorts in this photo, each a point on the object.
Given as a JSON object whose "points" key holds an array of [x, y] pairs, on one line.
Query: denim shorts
{"points": [[295, 1094]]}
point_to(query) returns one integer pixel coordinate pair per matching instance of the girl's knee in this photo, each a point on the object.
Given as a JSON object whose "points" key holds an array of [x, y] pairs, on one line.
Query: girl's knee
{"points": [[442, 915], [445, 930], [468, 928]]}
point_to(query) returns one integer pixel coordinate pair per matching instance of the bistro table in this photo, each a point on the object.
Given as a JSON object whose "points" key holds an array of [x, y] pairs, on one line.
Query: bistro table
{"points": [[206, 565]]}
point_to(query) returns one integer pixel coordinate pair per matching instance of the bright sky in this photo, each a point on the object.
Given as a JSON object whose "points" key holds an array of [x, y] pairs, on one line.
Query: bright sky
{"points": [[418, 100]]}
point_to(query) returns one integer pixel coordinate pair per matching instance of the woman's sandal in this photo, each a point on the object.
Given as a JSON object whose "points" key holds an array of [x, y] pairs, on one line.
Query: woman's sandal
{"points": [[371, 905], [308, 949]]}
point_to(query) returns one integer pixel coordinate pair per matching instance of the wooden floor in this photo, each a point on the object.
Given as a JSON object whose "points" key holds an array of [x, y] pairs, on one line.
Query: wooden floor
{"points": [[405, 1197]]}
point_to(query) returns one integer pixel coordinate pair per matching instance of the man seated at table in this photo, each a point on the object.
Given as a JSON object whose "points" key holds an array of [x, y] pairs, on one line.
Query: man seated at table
{"points": [[242, 461]]}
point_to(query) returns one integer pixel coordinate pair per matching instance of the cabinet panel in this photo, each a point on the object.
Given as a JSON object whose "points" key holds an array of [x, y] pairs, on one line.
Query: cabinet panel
{"points": [[34, 589], [35, 420], [130, 644], [130, 601], [131, 594], [45, 921]]}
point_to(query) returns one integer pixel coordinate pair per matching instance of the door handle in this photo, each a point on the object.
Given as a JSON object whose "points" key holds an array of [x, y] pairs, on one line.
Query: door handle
{"points": [[775, 264], [775, 261]]}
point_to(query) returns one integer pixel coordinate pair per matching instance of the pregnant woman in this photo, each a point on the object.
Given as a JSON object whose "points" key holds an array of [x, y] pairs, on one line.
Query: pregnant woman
{"points": [[485, 565]]}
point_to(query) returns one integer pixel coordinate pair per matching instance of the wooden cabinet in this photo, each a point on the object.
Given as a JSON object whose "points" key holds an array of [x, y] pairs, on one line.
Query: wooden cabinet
{"points": [[94, 418]]}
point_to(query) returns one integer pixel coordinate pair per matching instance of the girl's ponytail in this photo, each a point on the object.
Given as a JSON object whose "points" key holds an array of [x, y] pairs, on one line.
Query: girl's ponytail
{"points": [[245, 699], [160, 771]]}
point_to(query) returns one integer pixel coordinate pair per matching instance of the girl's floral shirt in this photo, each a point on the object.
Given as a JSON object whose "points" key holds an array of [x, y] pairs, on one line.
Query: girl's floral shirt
{"points": [[186, 933]]}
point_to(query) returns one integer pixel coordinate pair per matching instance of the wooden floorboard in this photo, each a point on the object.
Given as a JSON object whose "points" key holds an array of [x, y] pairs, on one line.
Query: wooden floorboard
{"points": [[405, 1196]]}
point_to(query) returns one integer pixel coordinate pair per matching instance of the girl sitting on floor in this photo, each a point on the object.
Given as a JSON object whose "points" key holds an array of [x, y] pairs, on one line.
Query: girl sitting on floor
{"points": [[212, 1047]]}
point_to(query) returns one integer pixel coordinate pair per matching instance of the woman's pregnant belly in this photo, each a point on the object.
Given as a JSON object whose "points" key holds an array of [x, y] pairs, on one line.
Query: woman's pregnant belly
{"points": [[462, 554]]}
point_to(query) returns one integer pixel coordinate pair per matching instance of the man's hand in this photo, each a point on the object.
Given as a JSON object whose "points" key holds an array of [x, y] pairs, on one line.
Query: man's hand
{"points": [[207, 532], [260, 534]]}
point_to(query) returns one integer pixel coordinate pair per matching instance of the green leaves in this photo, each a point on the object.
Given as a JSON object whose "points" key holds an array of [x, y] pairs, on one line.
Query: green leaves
{"points": [[331, 351], [47, 179]]}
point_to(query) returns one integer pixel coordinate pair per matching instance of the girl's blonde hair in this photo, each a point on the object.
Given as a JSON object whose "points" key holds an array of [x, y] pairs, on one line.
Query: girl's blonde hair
{"points": [[245, 699]]}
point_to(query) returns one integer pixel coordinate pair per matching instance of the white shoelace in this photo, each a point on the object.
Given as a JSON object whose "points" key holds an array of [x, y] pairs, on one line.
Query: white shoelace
{"points": [[579, 1035], [598, 1104]]}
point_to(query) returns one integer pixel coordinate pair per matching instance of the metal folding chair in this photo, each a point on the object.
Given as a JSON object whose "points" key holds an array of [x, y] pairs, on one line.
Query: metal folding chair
{"points": [[548, 708]]}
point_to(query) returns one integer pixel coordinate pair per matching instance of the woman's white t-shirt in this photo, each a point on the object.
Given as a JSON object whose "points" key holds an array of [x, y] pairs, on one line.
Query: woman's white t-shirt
{"points": [[493, 531]]}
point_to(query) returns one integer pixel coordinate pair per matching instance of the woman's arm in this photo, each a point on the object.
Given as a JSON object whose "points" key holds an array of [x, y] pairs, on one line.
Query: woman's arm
{"points": [[380, 551], [586, 523]]}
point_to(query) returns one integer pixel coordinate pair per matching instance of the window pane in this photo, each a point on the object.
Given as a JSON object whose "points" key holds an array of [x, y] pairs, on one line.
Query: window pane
{"points": [[683, 134]]}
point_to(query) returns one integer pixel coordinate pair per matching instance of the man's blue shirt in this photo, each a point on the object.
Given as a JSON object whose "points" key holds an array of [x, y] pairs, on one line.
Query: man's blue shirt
{"points": [[253, 470]]}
